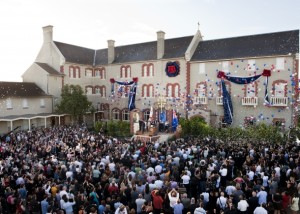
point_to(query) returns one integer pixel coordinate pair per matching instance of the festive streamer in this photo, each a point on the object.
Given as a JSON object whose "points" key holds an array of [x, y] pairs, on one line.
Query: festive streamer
{"points": [[243, 80], [227, 104], [131, 97], [266, 99]]}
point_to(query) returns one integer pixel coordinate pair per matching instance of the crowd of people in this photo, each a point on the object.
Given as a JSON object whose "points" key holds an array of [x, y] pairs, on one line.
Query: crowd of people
{"points": [[69, 169]]}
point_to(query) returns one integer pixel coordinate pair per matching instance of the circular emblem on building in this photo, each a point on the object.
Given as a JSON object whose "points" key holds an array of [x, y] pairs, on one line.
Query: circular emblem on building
{"points": [[172, 69]]}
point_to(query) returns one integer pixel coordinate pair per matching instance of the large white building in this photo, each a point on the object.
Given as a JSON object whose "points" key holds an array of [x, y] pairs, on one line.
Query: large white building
{"points": [[183, 72]]}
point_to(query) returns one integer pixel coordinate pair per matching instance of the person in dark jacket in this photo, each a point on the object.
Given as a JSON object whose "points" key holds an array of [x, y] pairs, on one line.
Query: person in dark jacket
{"points": [[253, 202]]}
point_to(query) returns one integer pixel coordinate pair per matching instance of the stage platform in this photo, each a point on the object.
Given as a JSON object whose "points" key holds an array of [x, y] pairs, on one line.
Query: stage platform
{"points": [[162, 137]]}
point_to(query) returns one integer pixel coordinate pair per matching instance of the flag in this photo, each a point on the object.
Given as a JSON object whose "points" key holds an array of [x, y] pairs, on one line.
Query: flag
{"points": [[162, 117], [174, 121], [227, 105]]}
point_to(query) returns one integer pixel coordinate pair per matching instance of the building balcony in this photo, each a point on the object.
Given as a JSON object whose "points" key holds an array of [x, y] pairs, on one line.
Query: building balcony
{"points": [[200, 100], [219, 100], [279, 101], [249, 101]]}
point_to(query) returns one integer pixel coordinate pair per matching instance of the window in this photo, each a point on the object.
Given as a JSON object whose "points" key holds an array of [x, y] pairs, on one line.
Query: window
{"points": [[148, 70], [88, 72], [173, 90], [125, 72], [201, 90], [280, 89], [89, 90], [123, 91], [147, 90], [251, 89], [97, 91], [115, 114], [9, 104], [25, 103], [251, 65], [225, 66], [202, 68], [146, 115], [74, 72], [42, 103], [125, 115], [100, 90], [100, 73], [280, 63], [97, 73]]}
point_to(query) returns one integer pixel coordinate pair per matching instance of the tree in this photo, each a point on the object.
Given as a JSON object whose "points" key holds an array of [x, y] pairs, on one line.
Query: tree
{"points": [[73, 102]]}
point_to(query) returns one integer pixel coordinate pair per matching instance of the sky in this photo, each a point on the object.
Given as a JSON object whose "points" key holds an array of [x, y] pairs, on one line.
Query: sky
{"points": [[90, 23]]}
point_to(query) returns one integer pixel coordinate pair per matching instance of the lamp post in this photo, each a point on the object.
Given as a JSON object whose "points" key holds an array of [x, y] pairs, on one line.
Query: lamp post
{"points": [[161, 103]]}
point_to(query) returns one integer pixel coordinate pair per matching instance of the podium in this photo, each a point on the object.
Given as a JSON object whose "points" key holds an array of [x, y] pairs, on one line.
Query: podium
{"points": [[152, 131]]}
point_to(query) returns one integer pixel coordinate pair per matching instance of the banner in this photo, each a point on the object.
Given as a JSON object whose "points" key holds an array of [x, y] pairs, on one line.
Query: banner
{"points": [[174, 121]]}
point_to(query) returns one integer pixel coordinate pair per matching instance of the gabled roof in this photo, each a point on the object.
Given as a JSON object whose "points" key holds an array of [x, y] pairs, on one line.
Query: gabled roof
{"points": [[48, 68], [271, 44], [76, 54], [174, 48], [20, 89]]}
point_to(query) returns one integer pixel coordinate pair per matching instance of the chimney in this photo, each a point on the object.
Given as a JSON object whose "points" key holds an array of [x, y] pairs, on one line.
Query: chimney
{"points": [[48, 33], [160, 44], [111, 51]]}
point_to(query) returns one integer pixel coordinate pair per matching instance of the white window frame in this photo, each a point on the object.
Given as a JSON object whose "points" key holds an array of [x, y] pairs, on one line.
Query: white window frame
{"points": [[251, 66], [225, 66], [89, 90], [9, 103], [125, 114], [280, 63], [25, 103], [252, 93], [42, 103], [201, 68], [116, 114], [279, 89], [89, 73]]}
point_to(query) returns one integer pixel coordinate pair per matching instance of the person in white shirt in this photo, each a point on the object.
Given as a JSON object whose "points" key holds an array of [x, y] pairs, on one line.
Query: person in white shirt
{"points": [[277, 170], [222, 201], [230, 189], [205, 196], [242, 205], [159, 183], [150, 169], [112, 166], [250, 175], [223, 172], [173, 197], [186, 180], [260, 210], [158, 169], [63, 192]]}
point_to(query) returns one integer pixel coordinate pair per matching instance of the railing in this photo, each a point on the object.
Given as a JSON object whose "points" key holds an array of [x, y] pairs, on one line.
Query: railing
{"points": [[200, 100], [249, 101], [219, 100], [279, 101]]}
